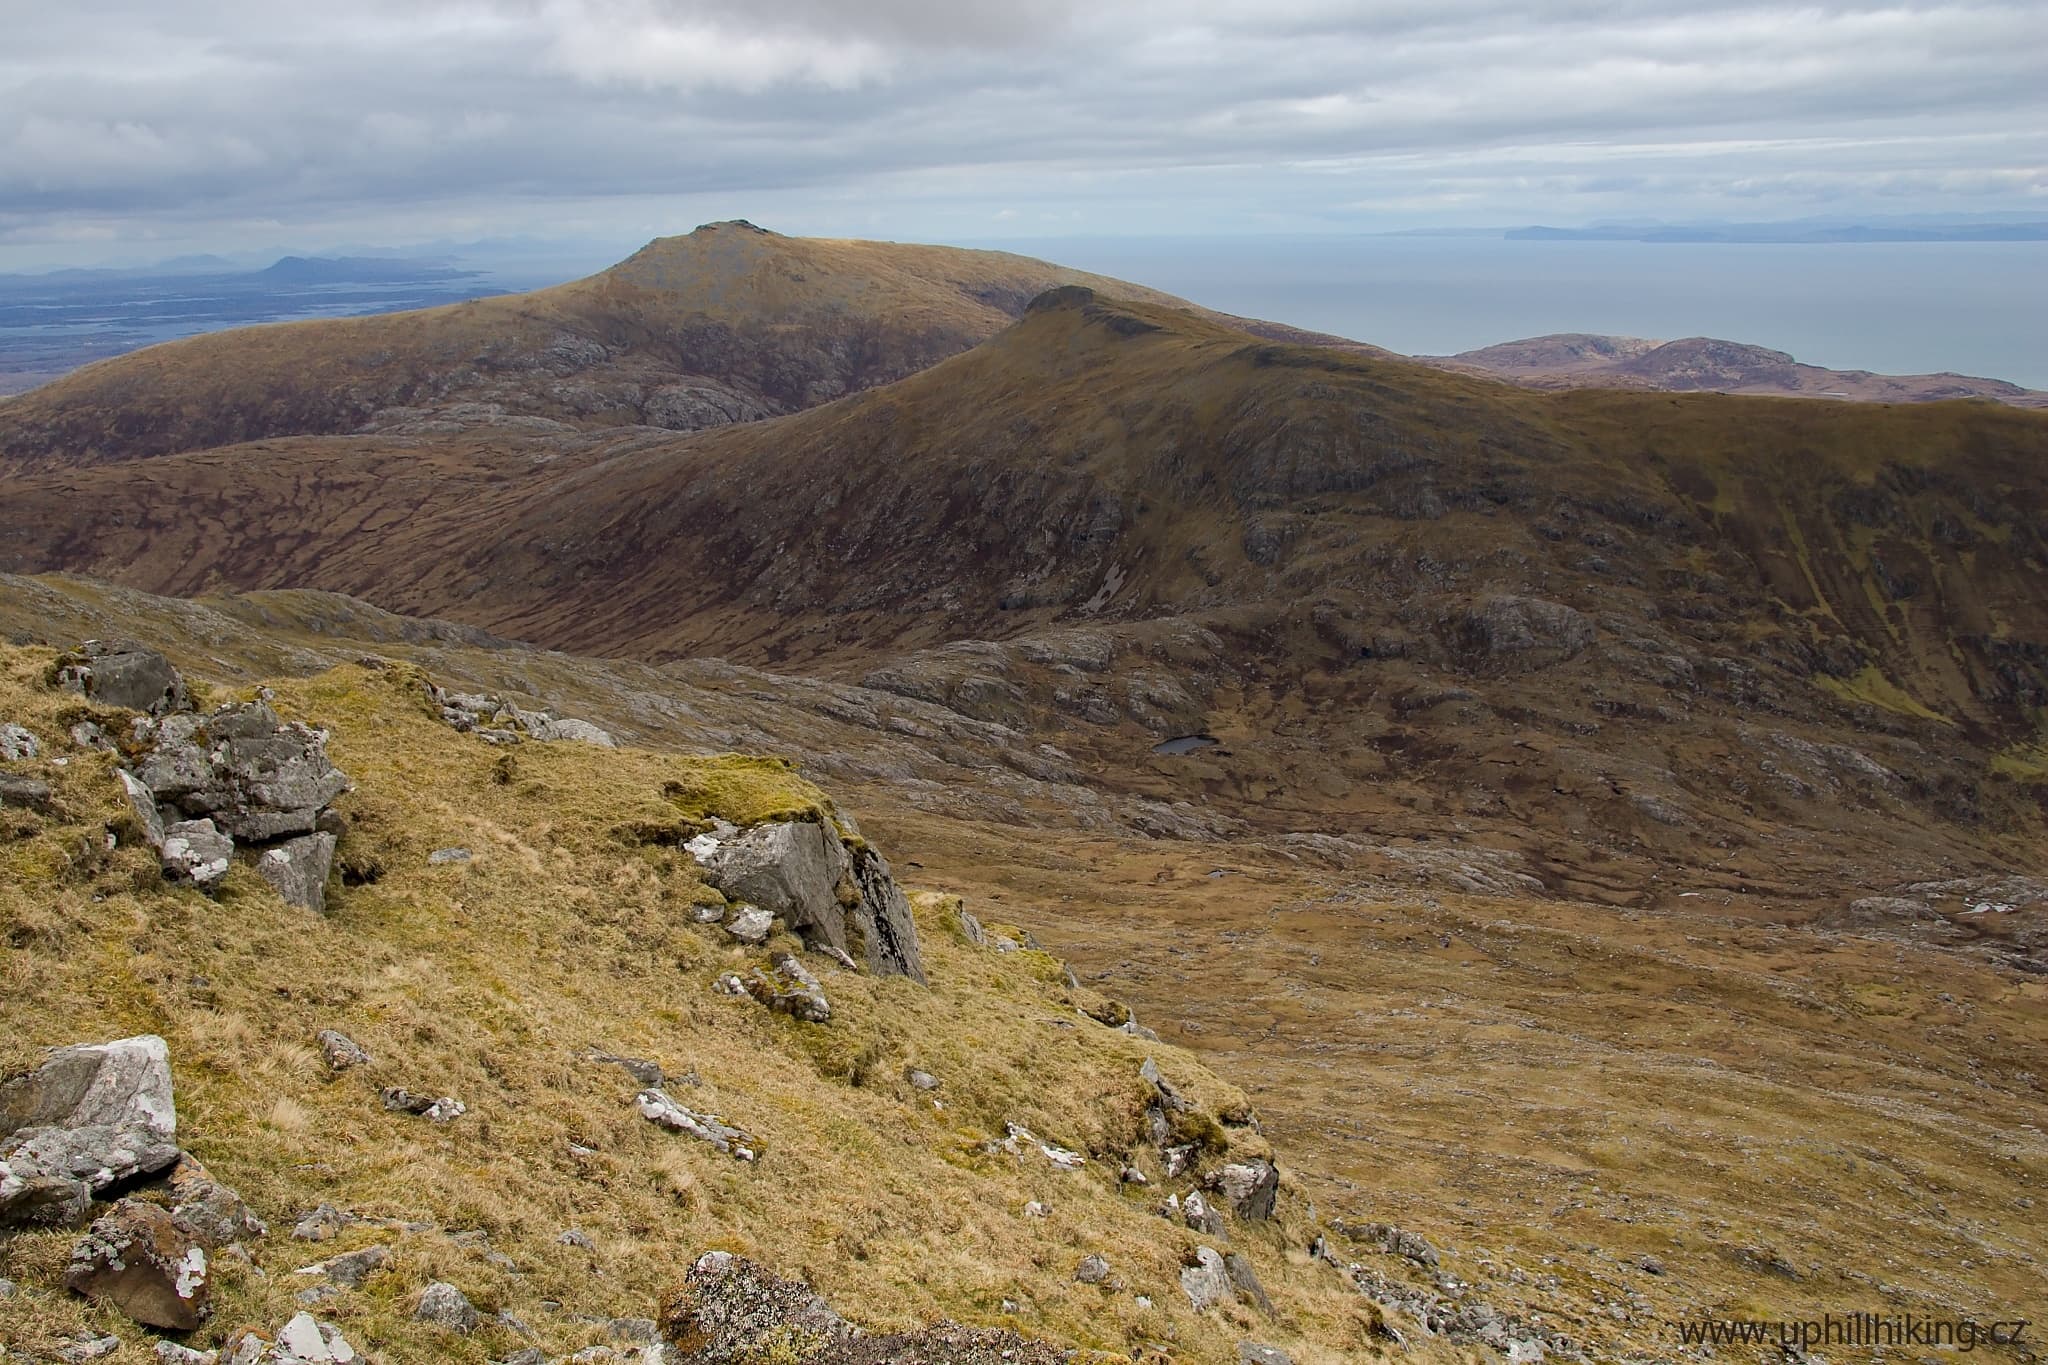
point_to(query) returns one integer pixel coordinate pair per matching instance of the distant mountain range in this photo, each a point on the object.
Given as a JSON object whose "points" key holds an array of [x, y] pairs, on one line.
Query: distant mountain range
{"points": [[1788, 233]]}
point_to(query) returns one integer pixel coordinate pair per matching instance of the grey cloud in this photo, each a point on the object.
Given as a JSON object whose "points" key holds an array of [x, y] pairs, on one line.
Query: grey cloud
{"points": [[124, 114]]}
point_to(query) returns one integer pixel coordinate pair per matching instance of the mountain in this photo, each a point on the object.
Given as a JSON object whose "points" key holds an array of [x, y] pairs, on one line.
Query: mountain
{"points": [[730, 323], [1580, 360], [1573, 818]]}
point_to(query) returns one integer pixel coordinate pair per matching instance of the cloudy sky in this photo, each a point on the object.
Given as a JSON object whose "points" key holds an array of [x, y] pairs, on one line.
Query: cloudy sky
{"points": [[140, 128]]}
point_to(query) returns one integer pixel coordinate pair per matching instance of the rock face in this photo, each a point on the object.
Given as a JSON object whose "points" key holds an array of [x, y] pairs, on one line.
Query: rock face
{"points": [[732, 1311], [89, 1117], [140, 1259], [1251, 1188], [123, 674], [834, 896], [297, 870]]}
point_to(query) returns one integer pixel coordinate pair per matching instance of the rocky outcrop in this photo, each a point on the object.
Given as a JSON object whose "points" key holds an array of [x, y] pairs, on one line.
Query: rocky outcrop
{"points": [[142, 1260], [89, 1118], [499, 721], [122, 674], [731, 1311], [835, 893], [788, 987], [657, 1108]]}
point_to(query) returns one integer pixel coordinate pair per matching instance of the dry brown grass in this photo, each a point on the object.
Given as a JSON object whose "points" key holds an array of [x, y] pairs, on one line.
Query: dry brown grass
{"points": [[488, 981]]}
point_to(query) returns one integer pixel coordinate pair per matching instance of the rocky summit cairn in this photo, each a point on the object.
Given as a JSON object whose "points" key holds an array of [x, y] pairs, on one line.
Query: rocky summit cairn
{"points": [[838, 894]]}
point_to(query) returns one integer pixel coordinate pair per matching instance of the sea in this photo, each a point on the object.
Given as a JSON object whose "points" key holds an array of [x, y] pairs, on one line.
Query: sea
{"points": [[1976, 308]]}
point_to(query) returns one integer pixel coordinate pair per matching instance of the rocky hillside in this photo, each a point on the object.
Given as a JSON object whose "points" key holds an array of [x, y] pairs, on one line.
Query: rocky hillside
{"points": [[485, 1062], [728, 324], [1576, 360]]}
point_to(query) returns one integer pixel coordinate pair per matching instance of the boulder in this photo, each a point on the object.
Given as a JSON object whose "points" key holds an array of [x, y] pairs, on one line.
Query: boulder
{"points": [[17, 744], [196, 853], [216, 1215], [141, 1260], [801, 871], [731, 1311], [1092, 1270], [322, 1224], [1207, 1281], [443, 1305], [790, 988], [340, 1050], [89, 1117], [123, 674], [297, 870], [1250, 1188], [658, 1108]]}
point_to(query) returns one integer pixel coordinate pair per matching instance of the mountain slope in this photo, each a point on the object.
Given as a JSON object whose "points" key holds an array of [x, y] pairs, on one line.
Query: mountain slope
{"points": [[1594, 617], [729, 323], [1580, 360]]}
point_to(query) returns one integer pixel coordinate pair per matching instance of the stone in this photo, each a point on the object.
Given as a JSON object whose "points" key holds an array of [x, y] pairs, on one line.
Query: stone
{"points": [[441, 857], [1092, 1270], [82, 1349], [31, 793], [657, 1108], [882, 919], [297, 870], [1245, 1281], [322, 1224], [802, 872], [639, 1068], [574, 1238], [1201, 1216], [1131, 1175], [579, 731], [18, 743], [445, 1109], [971, 930], [123, 674], [1250, 1188], [341, 1051], [143, 802], [139, 1259], [443, 1305], [6, 1289], [215, 1214], [350, 1271], [1253, 1353], [1169, 1098], [171, 1353], [790, 988], [750, 924], [195, 853], [921, 1080], [1174, 1160], [1034, 1209], [634, 1331], [731, 1310], [1526, 1351], [306, 1341], [1207, 1281]]}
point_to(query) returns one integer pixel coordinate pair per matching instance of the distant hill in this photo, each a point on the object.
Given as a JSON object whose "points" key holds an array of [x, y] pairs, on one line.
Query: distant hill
{"points": [[1582, 360]]}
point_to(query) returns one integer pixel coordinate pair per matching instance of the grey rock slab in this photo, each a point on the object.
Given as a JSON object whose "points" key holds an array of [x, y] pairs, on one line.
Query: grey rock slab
{"points": [[750, 924], [658, 1108], [297, 870], [1207, 1282]]}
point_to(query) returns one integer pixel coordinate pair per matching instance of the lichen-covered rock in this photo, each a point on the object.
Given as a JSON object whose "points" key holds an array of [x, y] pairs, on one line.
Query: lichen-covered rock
{"points": [[216, 1215], [257, 777], [1091, 1270], [297, 870], [340, 1050], [1250, 1188], [443, 1305], [441, 1109], [835, 898], [731, 1311], [89, 1117], [350, 1271], [1207, 1281], [195, 853], [122, 674], [301, 1341], [140, 1259], [658, 1108], [18, 743], [750, 924], [788, 987]]}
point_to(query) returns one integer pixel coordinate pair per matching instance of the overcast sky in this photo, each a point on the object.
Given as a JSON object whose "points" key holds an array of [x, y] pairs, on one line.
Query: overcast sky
{"points": [[141, 128]]}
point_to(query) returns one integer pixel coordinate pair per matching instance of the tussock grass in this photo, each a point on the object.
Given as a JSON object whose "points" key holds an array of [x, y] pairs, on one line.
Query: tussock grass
{"points": [[490, 981]]}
